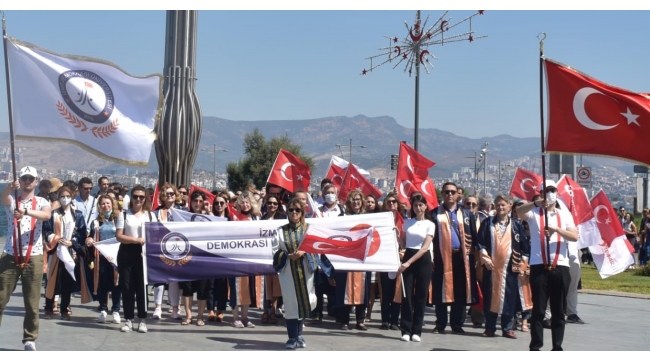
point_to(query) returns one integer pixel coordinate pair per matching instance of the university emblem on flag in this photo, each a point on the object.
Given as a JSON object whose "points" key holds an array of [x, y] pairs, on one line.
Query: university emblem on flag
{"points": [[200, 218], [90, 98], [175, 248]]}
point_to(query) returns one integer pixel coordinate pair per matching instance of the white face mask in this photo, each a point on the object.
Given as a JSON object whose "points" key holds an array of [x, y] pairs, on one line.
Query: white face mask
{"points": [[330, 198], [65, 201], [551, 197]]}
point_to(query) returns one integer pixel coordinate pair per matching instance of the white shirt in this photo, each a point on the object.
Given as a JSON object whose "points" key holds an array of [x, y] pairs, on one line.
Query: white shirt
{"points": [[416, 231], [134, 225], [87, 208], [327, 212], [566, 220], [25, 226]]}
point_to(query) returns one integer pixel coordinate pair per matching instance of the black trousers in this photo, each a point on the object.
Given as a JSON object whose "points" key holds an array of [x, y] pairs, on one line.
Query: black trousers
{"points": [[459, 305], [389, 310], [219, 295], [66, 285], [343, 313], [131, 282], [548, 286], [323, 287], [416, 278]]}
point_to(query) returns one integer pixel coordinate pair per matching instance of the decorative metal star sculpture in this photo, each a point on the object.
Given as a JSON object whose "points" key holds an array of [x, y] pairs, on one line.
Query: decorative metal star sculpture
{"points": [[414, 47]]}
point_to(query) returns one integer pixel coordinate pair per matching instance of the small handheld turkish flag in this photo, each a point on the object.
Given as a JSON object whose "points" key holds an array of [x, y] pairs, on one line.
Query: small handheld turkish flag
{"points": [[349, 244], [353, 180], [524, 184], [586, 116], [412, 173], [290, 172]]}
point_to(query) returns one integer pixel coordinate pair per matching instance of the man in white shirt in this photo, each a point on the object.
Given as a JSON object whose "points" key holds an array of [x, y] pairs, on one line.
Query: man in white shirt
{"points": [[85, 202], [22, 257], [331, 207], [549, 262]]}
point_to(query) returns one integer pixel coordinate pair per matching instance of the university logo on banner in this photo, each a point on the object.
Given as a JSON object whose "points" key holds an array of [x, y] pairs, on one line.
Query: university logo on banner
{"points": [[88, 102]]}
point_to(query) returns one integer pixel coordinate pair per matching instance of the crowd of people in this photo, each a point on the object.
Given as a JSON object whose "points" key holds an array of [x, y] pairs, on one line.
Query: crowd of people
{"points": [[467, 253]]}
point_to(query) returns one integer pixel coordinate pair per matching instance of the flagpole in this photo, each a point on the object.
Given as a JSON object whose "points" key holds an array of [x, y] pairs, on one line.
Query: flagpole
{"points": [[541, 37], [11, 124]]}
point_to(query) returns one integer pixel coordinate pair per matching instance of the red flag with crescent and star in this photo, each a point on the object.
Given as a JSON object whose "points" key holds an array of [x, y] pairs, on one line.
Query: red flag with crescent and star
{"points": [[353, 180], [587, 116], [349, 244], [413, 175], [525, 184], [290, 172], [336, 174]]}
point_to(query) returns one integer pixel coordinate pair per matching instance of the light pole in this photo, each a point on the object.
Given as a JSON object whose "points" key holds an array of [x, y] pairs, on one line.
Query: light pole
{"points": [[475, 171], [214, 163], [482, 162], [505, 165], [350, 146]]}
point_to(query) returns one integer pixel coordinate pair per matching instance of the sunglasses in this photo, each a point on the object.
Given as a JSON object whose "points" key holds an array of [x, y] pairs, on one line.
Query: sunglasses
{"points": [[391, 201], [170, 194], [220, 203], [183, 192], [138, 197], [470, 205], [271, 203], [27, 178], [450, 192], [292, 210]]}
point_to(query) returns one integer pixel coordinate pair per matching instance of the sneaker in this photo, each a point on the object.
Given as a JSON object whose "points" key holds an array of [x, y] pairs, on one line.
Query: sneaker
{"points": [[102, 317], [239, 325], [116, 317], [128, 326], [176, 314], [301, 342], [30, 346], [157, 314], [291, 344], [406, 337], [142, 327], [416, 338], [250, 324], [574, 319]]}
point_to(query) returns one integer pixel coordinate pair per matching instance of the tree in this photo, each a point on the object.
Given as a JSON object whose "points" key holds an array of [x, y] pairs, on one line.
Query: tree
{"points": [[259, 156]]}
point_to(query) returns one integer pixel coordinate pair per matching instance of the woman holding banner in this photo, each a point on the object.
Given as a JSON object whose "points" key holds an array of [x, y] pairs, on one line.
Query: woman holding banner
{"points": [[295, 270], [389, 288], [219, 295], [415, 237], [272, 291], [105, 274], [130, 234], [245, 291]]}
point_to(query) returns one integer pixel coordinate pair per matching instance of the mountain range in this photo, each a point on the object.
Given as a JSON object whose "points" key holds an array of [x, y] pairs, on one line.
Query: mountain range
{"points": [[318, 138]]}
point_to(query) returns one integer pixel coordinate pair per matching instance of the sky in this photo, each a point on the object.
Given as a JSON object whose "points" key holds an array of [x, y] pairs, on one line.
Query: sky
{"points": [[285, 65]]}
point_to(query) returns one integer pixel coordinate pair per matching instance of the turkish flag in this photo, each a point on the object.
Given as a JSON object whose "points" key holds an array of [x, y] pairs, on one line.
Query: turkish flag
{"points": [[575, 199], [208, 195], [353, 180], [590, 117], [525, 184], [234, 214], [412, 173], [349, 244], [337, 169], [608, 224], [399, 221], [289, 172], [155, 200]]}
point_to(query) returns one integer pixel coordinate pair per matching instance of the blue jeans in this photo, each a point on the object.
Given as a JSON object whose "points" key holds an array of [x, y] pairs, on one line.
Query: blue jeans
{"points": [[106, 284], [294, 328], [507, 321]]}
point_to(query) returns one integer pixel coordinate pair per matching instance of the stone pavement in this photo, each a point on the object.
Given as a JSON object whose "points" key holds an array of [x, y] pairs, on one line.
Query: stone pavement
{"points": [[613, 323]]}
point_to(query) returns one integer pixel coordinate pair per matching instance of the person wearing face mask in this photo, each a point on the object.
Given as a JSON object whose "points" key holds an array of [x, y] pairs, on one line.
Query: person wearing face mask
{"points": [[549, 262], [104, 228], [331, 206], [65, 232]]}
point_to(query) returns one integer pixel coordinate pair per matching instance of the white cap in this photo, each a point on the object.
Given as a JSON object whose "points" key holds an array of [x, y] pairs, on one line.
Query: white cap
{"points": [[28, 170], [548, 184]]}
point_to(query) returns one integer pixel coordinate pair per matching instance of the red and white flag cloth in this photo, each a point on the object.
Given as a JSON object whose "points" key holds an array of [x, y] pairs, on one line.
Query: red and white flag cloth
{"points": [[87, 102], [585, 114], [575, 199], [412, 174], [234, 214], [155, 198], [613, 253], [311, 210], [290, 172], [525, 184], [337, 168], [349, 244], [353, 180]]}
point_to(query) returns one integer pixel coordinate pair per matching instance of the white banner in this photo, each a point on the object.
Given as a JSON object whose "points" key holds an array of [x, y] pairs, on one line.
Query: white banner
{"points": [[64, 255], [184, 216], [109, 249], [88, 102]]}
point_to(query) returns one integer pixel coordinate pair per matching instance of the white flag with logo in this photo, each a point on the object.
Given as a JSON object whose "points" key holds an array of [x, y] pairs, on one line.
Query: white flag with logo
{"points": [[87, 102]]}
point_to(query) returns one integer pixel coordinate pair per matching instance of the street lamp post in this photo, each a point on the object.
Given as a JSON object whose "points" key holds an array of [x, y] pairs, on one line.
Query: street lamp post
{"points": [[350, 146], [505, 165], [482, 161], [214, 163], [475, 172]]}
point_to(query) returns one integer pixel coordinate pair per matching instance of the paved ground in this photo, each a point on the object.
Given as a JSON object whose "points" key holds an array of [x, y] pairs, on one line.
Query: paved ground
{"points": [[613, 323]]}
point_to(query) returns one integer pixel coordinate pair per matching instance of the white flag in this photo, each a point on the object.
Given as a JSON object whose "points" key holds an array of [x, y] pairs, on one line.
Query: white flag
{"points": [[64, 255], [87, 102], [109, 249]]}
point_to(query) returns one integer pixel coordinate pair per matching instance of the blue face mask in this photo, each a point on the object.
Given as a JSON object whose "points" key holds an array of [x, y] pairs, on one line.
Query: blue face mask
{"points": [[108, 213]]}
